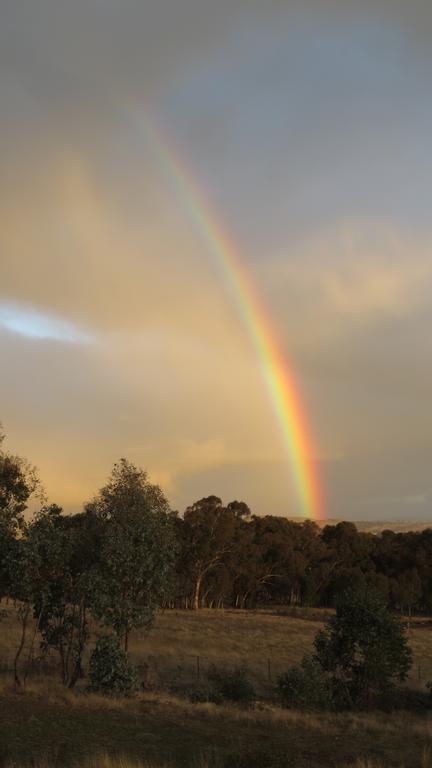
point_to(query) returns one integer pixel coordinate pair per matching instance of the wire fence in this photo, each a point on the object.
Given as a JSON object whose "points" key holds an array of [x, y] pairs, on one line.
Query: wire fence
{"points": [[180, 674]]}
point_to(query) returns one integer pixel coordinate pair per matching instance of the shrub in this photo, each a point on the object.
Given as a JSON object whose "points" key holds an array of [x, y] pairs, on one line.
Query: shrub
{"points": [[231, 685], [199, 694], [305, 687], [110, 670], [364, 648]]}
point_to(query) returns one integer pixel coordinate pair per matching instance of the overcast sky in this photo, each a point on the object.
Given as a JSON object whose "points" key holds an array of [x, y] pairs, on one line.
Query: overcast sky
{"points": [[309, 127]]}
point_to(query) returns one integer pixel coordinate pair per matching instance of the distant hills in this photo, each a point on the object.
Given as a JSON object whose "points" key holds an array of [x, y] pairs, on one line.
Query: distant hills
{"points": [[377, 526], [399, 526]]}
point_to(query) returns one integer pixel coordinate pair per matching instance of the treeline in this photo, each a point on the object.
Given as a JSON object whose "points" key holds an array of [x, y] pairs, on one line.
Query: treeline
{"points": [[231, 558], [128, 553]]}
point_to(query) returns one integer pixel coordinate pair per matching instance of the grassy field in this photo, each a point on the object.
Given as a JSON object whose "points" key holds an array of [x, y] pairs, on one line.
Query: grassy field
{"points": [[167, 656], [261, 640], [66, 729], [160, 727], [265, 642]]}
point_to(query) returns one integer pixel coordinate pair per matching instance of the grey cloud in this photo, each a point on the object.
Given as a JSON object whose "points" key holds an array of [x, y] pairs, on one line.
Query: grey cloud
{"points": [[88, 231], [69, 67]]}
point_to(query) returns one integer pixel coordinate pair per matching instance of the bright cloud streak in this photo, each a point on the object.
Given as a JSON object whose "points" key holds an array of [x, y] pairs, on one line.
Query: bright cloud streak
{"points": [[39, 325]]}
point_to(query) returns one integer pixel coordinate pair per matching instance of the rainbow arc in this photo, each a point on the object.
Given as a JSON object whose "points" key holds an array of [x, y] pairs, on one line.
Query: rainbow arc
{"points": [[279, 378]]}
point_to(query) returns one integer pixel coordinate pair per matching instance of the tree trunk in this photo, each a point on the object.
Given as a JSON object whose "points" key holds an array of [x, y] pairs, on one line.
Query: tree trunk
{"points": [[69, 648], [63, 662], [24, 621], [77, 670], [30, 653], [197, 590]]}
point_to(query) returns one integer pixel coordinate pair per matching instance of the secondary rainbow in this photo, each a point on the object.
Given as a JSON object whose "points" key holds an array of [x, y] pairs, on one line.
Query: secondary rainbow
{"points": [[280, 380]]}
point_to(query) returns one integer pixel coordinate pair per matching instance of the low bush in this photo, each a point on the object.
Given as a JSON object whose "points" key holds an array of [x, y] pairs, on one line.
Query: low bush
{"points": [[231, 685], [110, 670], [305, 687], [201, 694]]}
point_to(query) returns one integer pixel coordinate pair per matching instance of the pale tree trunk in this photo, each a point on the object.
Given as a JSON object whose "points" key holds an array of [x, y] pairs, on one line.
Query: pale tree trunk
{"points": [[197, 590]]}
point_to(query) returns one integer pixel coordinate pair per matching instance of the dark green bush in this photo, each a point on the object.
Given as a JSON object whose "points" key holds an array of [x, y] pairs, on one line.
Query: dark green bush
{"points": [[231, 685], [110, 670], [305, 687], [364, 649], [200, 694]]}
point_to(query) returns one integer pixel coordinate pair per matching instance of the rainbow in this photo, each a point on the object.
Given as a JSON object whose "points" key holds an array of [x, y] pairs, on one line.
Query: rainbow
{"points": [[279, 379]]}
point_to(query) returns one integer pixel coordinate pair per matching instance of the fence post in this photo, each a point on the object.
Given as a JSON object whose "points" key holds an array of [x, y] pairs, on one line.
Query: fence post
{"points": [[198, 671], [269, 670]]}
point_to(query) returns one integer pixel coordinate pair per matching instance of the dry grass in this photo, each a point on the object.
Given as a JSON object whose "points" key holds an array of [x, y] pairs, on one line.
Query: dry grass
{"points": [[124, 762], [263, 641], [104, 761], [164, 731], [101, 761], [159, 729], [259, 639], [167, 655], [266, 642]]}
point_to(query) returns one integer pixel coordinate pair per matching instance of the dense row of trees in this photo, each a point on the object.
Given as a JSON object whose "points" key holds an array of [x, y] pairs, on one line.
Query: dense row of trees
{"points": [[229, 557], [127, 553]]}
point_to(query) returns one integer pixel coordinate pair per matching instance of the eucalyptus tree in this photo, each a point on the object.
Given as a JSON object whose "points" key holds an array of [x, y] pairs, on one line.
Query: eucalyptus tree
{"points": [[32, 565], [70, 548], [18, 483], [364, 648], [137, 552], [208, 536]]}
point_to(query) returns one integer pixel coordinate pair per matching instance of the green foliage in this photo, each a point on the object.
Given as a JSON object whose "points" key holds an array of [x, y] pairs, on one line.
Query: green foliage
{"points": [[8, 547], [40, 581], [231, 685], [364, 648], [207, 533], [110, 670], [18, 482], [306, 687], [137, 553], [359, 657]]}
